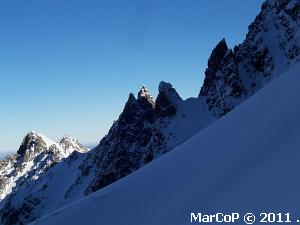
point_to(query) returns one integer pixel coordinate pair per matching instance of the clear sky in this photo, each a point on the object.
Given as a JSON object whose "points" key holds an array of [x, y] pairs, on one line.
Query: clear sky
{"points": [[68, 66]]}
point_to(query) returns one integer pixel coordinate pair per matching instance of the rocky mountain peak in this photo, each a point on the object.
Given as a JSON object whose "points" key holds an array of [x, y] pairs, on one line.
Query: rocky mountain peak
{"points": [[70, 144], [271, 47], [167, 100], [32, 142], [145, 94], [144, 130], [168, 90], [217, 56], [222, 84], [131, 99], [137, 109]]}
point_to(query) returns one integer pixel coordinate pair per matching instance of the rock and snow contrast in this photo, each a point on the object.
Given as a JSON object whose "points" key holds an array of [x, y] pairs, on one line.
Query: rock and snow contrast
{"points": [[36, 155], [253, 167], [271, 46], [44, 176]]}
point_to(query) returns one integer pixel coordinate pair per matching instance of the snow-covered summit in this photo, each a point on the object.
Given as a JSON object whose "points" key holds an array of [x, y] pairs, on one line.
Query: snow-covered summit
{"points": [[70, 144], [36, 154], [34, 143]]}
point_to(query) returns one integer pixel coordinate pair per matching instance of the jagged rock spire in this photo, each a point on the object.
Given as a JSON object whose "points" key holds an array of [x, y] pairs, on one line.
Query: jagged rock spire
{"points": [[145, 94], [271, 46], [213, 65], [217, 56], [168, 90], [222, 83], [167, 100]]}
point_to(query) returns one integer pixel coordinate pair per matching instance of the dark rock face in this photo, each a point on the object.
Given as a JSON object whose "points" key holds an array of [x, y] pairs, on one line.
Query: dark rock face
{"points": [[166, 102], [216, 57], [221, 79], [138, 136], [131, 141], [10, 215], [134, 139], [36, 155], [31, 141], [271, 45], [164, 108]]}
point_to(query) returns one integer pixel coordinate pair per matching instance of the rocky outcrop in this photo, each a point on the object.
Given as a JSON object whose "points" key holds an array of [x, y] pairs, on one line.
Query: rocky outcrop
{"points": [[271, 46], [69, 144], [167, 100], [145, 94], [222, 85], [36, 155], [148, 128], [135, 138], [32, 144]]}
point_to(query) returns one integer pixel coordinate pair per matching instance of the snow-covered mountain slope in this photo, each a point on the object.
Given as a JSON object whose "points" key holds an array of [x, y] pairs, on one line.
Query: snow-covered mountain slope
{"points": [[145, 130], [36, 154], [70, 144], [271, 46], [148, 128], [247, 161]]}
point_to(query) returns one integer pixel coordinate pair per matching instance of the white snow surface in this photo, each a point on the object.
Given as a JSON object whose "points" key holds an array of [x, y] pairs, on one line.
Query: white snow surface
{"points": [[16, 169], [247, 161]]}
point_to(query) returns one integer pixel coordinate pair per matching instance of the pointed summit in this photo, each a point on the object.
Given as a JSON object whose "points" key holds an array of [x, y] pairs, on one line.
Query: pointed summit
{"points": [[170, 92], [70, 144], [131, 97], [34, 142], [167, 100], [130, 103], [217, 56], [222, 86], [145, 94]]}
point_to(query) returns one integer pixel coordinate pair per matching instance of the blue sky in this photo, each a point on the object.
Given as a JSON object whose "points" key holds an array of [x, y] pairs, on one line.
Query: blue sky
{"points": [[67, 67]]}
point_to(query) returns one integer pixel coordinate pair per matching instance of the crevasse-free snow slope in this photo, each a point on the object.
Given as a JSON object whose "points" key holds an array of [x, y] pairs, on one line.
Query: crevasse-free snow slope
{"points": [[248, 161]]}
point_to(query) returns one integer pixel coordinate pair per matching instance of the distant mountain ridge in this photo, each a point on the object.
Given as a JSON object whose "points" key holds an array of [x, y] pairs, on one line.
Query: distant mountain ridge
{"points": [[253, 166], [148, 128], [36, 154]]}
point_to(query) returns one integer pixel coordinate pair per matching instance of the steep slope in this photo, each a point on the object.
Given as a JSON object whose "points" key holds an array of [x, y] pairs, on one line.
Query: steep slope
{"points": [[144, 131], [253, 167], [16, 166], [148, 128], [35, 156], [271, 46]]}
